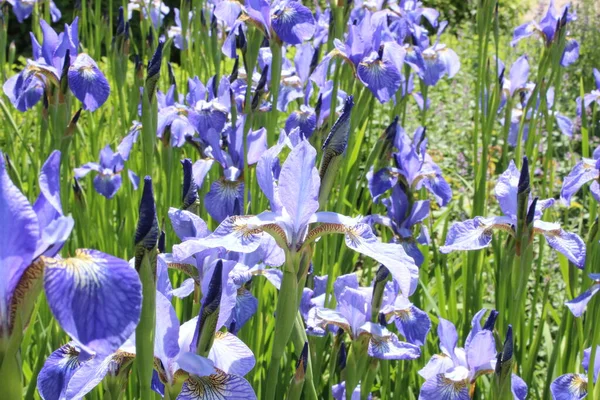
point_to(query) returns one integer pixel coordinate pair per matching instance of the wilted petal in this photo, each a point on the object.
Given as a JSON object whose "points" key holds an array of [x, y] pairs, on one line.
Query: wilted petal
{"points": [[231, 355], [579, 303], [88, 83], [218, 386], [95, 297], [569, 387], [474, 234]]}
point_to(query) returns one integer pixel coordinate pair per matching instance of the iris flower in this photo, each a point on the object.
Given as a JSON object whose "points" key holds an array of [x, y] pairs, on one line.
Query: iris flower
{"points": [[95, 297], [293, 194], [412, 322], [24, 8], [353, 314], [593, 96], [57, 54], [108, 180], [414, 169], [449, 375], [574, 386], [547, 29], [477, 233]]}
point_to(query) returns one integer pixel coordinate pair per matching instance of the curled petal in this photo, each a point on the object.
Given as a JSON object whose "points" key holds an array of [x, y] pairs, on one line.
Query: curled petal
{"points": [[95, 297], [319, 318], [579, 303]]}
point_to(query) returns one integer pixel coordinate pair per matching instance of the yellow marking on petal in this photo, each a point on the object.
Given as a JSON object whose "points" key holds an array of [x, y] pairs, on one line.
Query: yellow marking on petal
{"points": [[81, 267]]}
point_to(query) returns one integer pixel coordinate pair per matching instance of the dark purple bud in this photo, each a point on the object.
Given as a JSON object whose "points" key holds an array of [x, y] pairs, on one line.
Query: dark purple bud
{"points": [[390, 132], [505, 356], [380, 52], [337, 140], [240, 39], [314, 60], [491, 321], [64, 81], [524, 184], [120, 22], [531, 211], [172, 80], [381, 319], [382, 274], [341, 358], [146, 234], [190, 189], [318, 106], [302, 362], [162, 242]]}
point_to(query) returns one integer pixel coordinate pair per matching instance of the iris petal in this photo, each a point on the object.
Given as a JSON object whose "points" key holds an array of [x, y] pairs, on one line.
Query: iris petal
{"points": [[569, 387], [88, 83], [95, 297], [225, 198], [218, 386], [579, 303], [293, 23], [442, 388], [583, 172], [473, 234], [231, 355]]}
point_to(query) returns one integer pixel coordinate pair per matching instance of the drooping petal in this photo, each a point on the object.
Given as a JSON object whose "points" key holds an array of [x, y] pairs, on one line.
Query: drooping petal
{"points": [[385, 345], [293, 23], [231, 355], [107, 184], [474, 234], [187, 224], [380, 76], [579, 303], [361, 238], [88, 83], [225, 198], [217, 386], [95, 297], [570, 54], [569, 387], [583, 172], [440, 387], [59, 367], [438, 364], [567, 243], [413, 323]]}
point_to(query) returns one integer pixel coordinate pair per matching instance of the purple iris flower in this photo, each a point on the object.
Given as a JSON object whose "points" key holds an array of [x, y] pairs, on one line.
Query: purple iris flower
{"points": [[57, 53], [414, 169], [175, 32], [228, 11], [574, 386], [586, 170], [579, 303], [477, 233], [156, 9], [377, 63], [108, 179], [313, 297], [432, 62], [290, 20], [353, 314], [174, 125], [24, 8], [547, 29], [448, 375], [339, 392], [28, 233], [293, 192]]}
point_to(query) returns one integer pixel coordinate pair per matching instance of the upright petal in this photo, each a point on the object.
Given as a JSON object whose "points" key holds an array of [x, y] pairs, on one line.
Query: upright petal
{"points": [[506, 190], [448, 337], [481, 352], [299, 186], [95, 297]]}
